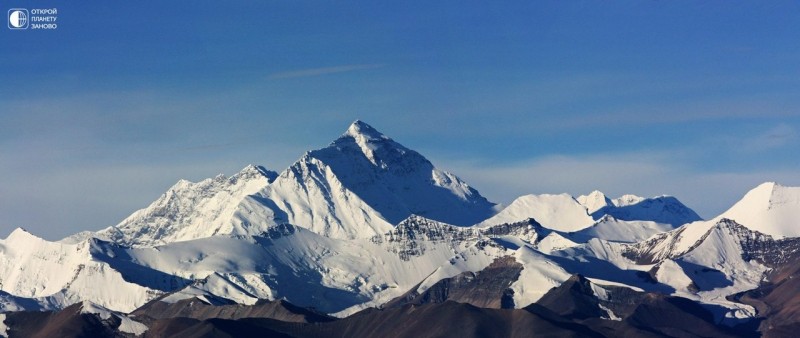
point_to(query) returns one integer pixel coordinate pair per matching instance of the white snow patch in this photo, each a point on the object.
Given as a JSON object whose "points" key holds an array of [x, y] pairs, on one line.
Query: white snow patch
{"points": [[126, 325], [611, 314], [601, 282], [554, 242], [538, 276], [3, 327], [611, 229], [599, 292], [670, 273], [472, 260]]}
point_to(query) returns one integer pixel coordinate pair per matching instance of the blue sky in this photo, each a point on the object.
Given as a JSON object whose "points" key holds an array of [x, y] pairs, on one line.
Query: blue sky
{"points": [[693, 99]]}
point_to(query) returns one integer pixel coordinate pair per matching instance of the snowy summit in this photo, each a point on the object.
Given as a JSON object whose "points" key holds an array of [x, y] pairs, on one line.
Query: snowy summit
{"points": [[366, 222]]}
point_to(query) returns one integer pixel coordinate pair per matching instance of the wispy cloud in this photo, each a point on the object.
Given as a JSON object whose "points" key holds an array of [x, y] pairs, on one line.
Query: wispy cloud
{"points": [[680, 112], [323, 71], [776, 137]]}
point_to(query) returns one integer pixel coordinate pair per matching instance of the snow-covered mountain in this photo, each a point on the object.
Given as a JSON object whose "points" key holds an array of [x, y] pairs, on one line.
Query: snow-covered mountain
{"points": [[362, 184], [660, 209], [286, 262], [359, 186], [769, 208], [557, 212], [366, 222], [38, 274], [611, 229], [565, 213], [192, 210]]}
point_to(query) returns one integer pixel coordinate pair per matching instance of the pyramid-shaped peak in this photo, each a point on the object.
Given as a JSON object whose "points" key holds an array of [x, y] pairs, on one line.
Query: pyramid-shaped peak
{"points": [[765, 194], [20, 234], [764, 189], [364, 182], [769, 188], [769, 185], [770, 195], [377, 147], [361, 130], [769, 208]]}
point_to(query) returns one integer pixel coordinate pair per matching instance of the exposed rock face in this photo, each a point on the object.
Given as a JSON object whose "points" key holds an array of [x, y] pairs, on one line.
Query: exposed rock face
{"points": [[589, 303], [447, 319], [528, 230], [198, 309], [754, 245], [577, 308], [778, 300], [69, 322], [574, 299], [450, 319], [411, 236], [488, 288]]}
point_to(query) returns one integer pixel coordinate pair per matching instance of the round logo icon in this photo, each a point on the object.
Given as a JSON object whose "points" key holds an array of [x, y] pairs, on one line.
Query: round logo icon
{"points": [[18, 19]]}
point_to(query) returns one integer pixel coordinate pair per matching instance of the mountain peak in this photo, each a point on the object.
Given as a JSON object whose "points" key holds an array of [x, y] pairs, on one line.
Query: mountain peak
{"points": [[661, 209], [765, 192], [769, 208], [769, 194], [360, 129], [192, 210], [556, 212], [361, 185], [595, 201], [377, 147], [768, 185], [20, 234], [254, 171], [626, 200], [596, 193]]}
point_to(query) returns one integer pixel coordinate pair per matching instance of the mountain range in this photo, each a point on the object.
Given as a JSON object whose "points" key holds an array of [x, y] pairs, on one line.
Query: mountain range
{"points": [[366, 237]]}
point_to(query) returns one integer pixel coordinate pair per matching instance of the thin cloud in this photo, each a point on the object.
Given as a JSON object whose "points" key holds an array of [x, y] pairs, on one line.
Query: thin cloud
{"points": [[713, 110], [778, 136], [323, 71]]}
